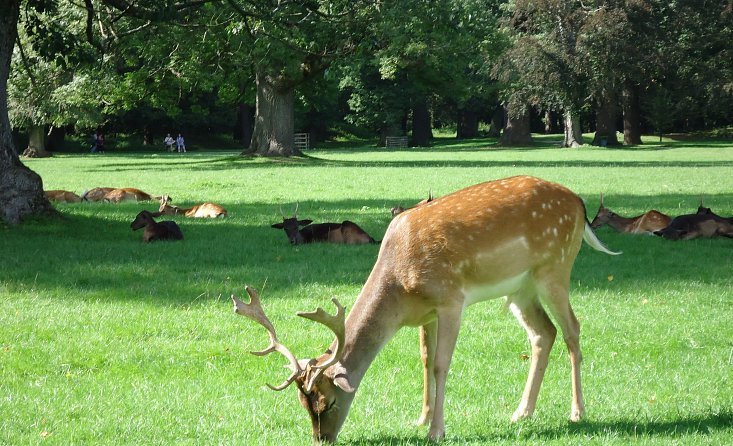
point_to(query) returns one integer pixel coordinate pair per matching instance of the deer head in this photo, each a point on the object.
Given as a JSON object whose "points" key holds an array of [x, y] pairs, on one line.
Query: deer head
{"points": [[292, 225], [323, 387]]}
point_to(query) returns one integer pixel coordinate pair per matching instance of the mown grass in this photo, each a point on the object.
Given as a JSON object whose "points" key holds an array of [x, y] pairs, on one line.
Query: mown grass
{"points": [[104, 340]]}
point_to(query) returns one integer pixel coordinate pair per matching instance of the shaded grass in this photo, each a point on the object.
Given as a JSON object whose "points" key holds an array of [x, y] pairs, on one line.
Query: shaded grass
{"points": [[104, 340]]}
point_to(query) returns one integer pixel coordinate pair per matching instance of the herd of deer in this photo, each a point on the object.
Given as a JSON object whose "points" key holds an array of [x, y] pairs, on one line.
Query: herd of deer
{"points": [[702, 224], [515, 238]]}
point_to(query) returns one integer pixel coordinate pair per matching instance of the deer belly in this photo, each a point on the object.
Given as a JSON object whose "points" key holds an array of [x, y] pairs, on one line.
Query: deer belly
{"points": [[485, 291]]}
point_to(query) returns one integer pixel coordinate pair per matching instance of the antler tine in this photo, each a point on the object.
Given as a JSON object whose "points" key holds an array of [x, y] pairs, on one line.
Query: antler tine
{"points": [[254, 311], [601, 198], [295, 212], [337, 324]]}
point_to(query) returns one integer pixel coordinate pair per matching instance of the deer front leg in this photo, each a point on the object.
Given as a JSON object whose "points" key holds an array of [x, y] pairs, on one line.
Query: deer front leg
{"points": [[541, 334], [449, 322], [428, 341]]}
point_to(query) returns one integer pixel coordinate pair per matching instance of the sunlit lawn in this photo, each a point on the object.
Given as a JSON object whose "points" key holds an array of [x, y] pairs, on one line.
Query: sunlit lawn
{"points": [[104, 340]]}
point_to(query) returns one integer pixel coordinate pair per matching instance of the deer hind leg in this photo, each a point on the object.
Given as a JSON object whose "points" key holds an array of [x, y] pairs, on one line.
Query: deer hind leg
{"points": [[428, 341], [449, 322], [541, 333], [555, 297]]}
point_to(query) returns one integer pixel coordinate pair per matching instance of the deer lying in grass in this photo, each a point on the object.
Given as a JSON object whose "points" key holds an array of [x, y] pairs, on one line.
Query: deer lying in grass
{"points": [[517, 237], [62, 195], [164, 230], [96, 194], [395, 211], [346, 232], [128, 194], [204, 210], [703, 224], [646, 223]]}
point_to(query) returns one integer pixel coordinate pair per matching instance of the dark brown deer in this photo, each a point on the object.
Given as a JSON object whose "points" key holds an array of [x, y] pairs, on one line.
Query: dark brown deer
{"points": [[203, 210], [303, 231], [164, 230], [703, 224], [62, 195], [517, 237], [646, 223], [395, 211]]}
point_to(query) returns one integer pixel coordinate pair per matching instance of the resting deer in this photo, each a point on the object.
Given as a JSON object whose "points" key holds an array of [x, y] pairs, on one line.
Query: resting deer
{"points": [[203, 210], [164, 230], [395, 211], [128, 194], [517, 237], [346, 232], [703, 224], [646, 223], [96, 194], [62, 196]]}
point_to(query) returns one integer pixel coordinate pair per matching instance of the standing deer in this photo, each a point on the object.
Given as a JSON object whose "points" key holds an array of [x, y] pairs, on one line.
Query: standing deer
{"points": [[646, 223], [517, 237], [203, 210]]}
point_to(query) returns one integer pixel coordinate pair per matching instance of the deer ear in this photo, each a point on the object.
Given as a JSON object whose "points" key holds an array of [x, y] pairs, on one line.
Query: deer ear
{"points": [[277, 226], [304, 222], [341, 379]]}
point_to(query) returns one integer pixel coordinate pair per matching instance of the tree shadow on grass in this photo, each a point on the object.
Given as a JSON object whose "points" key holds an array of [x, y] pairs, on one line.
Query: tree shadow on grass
{"points": [[622, 429]]}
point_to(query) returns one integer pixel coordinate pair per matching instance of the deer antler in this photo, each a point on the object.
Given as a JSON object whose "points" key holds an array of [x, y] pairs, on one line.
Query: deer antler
{"points": [[601, 198], [295, 212], [254, 311], [337, 324]]}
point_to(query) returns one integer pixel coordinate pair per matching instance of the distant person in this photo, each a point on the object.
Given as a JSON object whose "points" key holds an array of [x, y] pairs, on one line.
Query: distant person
{"points": [[169, 141], [95, 137], [181, 144], [100, 141]]}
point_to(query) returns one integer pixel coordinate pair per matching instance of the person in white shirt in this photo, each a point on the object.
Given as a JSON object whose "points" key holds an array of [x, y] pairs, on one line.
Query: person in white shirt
{"points": [[169, 141]]}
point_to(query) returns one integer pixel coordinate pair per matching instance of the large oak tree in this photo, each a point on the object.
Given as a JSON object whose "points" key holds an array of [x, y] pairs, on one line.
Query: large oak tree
{"points": [[21, 189]]}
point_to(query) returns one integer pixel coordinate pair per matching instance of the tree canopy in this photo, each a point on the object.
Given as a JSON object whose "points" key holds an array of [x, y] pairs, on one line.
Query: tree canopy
{"points": [[364, 66]]}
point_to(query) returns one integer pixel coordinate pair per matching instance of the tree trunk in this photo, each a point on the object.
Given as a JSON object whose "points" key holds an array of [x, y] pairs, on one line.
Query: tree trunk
{"points": [[36, 142], [497, 122], [21, 189], [422, 131], [274, 119], [550, 122], [245, 124], [517, 130], [632, 115], [467, 123], [606, 123], [573, 132]]}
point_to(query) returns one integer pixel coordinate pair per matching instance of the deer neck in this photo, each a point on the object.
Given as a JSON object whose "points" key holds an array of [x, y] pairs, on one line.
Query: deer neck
{"points": [[371, 323]]}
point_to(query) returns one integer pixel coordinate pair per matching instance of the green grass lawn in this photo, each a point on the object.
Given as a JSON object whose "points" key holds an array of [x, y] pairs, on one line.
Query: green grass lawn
{"points": [[104, 340]]}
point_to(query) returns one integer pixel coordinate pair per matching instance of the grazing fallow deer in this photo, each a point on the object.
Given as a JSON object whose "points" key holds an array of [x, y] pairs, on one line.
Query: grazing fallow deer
{"points": [[128, 194], [646, 223], [62, 196], [517, 237], [203, 210]]}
